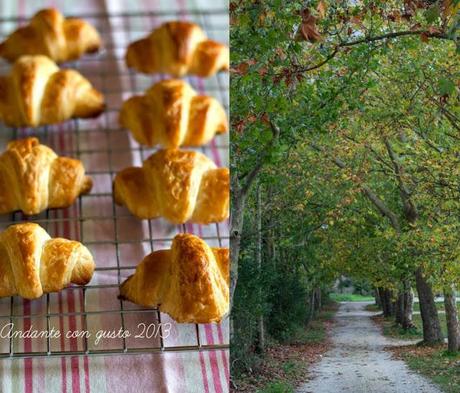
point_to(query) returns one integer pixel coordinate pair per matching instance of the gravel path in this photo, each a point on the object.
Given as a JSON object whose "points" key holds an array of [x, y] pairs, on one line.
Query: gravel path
{"points": [[358, 363]]}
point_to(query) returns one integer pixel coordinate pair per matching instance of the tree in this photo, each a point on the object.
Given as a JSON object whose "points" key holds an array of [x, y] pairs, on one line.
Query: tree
{"points": [[347, 116]]}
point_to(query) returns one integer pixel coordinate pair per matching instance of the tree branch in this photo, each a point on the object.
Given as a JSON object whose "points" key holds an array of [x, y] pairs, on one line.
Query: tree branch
{"points": [[320, 64], [337, 161], [394, 35], [382, 208], [410, 210], [376, 201]]}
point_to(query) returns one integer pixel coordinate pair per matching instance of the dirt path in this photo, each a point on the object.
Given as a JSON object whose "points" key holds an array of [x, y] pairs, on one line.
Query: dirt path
{"points": [[357, 362]]}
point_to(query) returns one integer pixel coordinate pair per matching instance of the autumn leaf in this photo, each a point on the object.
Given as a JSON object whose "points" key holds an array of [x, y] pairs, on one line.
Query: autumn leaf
{"points": [[356, 20], [394, 16], [265, 119], [434, 30], [322, 8], [280, 52], [449, 8], [262, 71], [239, 126], [242, 68], [424, 37], [308, 27]]}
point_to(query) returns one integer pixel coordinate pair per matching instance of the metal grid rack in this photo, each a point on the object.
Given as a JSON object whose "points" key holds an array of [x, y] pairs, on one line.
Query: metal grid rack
{"points": [[117, 240]]}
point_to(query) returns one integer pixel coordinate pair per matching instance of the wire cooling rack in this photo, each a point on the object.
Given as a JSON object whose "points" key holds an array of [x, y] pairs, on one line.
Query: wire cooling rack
{"points": [[117, 240]]}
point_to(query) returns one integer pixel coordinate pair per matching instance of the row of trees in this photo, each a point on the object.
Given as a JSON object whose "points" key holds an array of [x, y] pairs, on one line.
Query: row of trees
{"points": [[345, 159]]}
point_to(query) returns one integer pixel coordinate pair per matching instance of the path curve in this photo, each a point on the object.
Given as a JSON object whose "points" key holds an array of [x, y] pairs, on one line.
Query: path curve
{"points": [[357, 361]]}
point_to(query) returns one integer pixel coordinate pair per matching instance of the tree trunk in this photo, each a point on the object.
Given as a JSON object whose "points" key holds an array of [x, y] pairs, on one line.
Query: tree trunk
{"points": [[387, 302], [404, 306], [238, 205], [318, 299], [432, 333], [239, 193], [378, 301], [408, 308], [381, 293], [399, 308], [453, 333], [260, 320], [312, 305]]}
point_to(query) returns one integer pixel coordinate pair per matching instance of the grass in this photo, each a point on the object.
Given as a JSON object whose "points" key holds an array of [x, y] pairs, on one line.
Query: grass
{"points": [[439, 306], [435, 363], [389, 328], [277, 387], [372, 307], [316, 331], [350, 297]]}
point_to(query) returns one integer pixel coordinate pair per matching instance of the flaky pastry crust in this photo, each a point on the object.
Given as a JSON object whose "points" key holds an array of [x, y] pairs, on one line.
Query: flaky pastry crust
{"points": [[49, 33], [178, 48], [37, 92], [190, 281], [178, 185], [32, 263], [33, 178], [172, 114]]}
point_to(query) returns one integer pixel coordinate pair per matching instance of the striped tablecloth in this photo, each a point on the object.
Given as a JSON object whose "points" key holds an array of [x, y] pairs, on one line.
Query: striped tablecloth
{"points": [[206, 371]]}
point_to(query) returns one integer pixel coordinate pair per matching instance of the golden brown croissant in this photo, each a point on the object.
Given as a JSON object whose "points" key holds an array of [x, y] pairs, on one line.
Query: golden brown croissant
{"points": [[31, 263], [172, 114], [33, 178], [178, 48], [37, 92], [189, 282], [50, 34], [178, 185]]}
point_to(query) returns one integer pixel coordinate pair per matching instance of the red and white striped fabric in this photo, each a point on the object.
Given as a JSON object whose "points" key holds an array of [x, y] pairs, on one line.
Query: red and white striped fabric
{"points": [[167, 372]]}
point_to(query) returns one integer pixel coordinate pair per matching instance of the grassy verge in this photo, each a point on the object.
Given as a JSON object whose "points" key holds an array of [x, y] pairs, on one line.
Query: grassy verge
{"points": [[435, 363], [350, 297], [389, 328], [284, 366], [372, 307], [439, 306]]}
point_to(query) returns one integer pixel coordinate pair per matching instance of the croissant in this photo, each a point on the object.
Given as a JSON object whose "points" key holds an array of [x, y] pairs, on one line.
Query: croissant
{"points": [[172, 114], [50, 34], [188, 282], [178, 185], [178, 48], [33, 178], [32, 263], [37, 92]]}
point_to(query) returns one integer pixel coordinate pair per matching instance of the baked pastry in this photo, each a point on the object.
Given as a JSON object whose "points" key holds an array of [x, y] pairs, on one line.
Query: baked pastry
{"points": [[188, 282], [33, 178], [178, 48], [49, 33], [32, 263], [37, 92], [172, 114], [178, 185]]}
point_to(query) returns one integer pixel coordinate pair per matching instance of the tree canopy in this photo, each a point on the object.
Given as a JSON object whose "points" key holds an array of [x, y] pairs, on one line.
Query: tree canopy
{"points": [[346, 116]]}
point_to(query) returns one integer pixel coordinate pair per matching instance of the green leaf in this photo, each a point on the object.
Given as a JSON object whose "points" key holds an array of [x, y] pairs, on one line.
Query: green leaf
{"points": [[446, 86]]}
